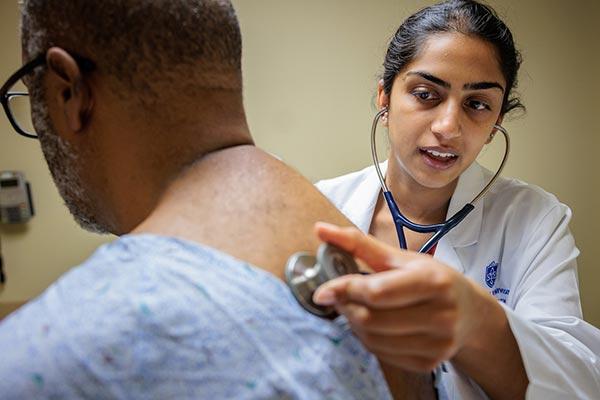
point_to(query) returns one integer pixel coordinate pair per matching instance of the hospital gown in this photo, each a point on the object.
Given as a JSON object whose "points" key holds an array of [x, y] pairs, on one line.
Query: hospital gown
{"points": [[155, 317]]}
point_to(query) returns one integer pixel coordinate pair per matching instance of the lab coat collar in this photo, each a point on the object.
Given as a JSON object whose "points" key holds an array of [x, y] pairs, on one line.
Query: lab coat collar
{"points": [[365, 195], [469, 184]]}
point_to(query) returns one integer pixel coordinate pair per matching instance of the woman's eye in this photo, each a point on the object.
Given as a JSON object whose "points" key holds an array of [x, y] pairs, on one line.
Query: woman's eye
{"points": [[424, 95], [478, 105]]}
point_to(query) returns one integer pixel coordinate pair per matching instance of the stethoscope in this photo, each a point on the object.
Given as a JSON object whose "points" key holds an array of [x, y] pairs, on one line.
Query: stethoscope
{"points": [[438, 230], [304, 273]]}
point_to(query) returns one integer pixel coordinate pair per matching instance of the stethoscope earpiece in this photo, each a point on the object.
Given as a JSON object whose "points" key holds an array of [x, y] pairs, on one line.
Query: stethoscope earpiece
{"points": [[384, 115], [304, 273]]}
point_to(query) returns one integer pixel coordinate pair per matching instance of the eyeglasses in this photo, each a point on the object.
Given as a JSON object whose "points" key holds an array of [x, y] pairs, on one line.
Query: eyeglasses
{"points": [[14, 94]]}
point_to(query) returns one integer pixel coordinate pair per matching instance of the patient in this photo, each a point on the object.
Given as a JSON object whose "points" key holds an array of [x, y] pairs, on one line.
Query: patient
{"points": [[138, 108]]}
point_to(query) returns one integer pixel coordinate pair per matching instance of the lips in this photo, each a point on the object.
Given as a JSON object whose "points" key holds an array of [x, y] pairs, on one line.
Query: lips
{"points": [[438, 158]]}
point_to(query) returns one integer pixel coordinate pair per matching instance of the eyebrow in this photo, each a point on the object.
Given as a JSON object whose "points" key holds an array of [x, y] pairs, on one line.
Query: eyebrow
{"points": [[466, 86]]}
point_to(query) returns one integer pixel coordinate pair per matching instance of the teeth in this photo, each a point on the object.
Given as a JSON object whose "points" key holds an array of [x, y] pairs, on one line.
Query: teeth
{"points": [[438, 154]]}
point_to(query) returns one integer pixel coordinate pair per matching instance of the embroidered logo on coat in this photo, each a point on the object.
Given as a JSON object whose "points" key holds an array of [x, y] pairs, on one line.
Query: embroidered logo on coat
{"points": [[491, 273]]}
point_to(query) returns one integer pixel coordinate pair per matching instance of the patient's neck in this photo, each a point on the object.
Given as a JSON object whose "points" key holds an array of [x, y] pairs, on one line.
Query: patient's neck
{"points": [[246, 203]]}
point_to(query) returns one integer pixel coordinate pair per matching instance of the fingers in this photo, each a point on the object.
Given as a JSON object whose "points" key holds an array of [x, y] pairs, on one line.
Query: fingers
{"points": [[332, 291], [378, 255], [416, 339], [419, 353], [427, 318], [388, 289], [430, 347]]}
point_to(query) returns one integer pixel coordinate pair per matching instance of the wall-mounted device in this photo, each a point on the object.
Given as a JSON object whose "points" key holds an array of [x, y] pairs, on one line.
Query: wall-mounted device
{"points": [[16, 206], [2, 274]]}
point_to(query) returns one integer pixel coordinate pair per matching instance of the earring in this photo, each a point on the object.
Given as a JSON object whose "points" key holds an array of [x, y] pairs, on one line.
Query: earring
{"points": [[492, 136]]}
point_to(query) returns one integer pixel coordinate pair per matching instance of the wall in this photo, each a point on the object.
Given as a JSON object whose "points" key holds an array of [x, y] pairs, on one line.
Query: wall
{"points": [[310, 71]]}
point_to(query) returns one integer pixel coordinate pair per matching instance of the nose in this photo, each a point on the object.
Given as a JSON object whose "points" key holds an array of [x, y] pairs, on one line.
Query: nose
{"points": [[446, 125]]}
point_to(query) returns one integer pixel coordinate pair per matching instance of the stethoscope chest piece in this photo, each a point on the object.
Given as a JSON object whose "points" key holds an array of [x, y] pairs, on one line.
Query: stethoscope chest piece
{"points": [[304, 273]]}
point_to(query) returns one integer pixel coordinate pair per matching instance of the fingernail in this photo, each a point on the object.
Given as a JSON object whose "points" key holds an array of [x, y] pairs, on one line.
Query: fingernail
{"points": [[323, 224], [324, 297]]}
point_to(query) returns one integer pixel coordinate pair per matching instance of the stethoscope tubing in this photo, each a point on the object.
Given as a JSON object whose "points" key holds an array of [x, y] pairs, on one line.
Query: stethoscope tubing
{"points": [[439, 230]]}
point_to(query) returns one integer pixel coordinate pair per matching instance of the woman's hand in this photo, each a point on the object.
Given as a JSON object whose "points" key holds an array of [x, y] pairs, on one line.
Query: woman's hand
{"points": [[414, 312]]}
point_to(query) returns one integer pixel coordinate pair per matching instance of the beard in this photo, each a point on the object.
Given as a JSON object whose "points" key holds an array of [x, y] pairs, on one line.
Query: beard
{"points": [[65, 166]]}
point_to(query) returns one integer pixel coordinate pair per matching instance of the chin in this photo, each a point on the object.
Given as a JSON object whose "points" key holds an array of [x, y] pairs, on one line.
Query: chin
{"points": [[437, 184], [435, 180]]}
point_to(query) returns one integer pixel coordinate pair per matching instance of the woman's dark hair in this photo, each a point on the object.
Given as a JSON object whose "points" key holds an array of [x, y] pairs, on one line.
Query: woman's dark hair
{"points": [[462, 16]]}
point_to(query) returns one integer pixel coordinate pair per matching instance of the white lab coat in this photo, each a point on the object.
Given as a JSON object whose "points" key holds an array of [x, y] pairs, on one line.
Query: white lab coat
{"points": [[515, 243]]}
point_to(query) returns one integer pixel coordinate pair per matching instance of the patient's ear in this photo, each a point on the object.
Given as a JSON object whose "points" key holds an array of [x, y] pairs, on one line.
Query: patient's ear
{"points": [[68, 90]]}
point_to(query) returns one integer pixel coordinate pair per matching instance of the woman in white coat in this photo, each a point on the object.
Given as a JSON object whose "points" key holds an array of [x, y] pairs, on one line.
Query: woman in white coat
{"points": [[499, 303]]}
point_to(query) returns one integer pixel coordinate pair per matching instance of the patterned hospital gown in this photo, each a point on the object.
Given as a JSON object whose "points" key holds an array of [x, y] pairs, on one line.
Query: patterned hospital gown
{"points": [[150, 317]]}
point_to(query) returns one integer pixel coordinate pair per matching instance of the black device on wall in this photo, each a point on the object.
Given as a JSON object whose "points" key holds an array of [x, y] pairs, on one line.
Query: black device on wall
{"points": [[16, 205], [2, 275]]}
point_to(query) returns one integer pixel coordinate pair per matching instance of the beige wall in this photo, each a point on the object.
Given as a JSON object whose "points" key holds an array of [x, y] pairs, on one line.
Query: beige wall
{"points": [[310, 70]]}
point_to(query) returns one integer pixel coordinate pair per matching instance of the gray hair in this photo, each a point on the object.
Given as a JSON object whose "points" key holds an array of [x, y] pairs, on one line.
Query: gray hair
{"points": [[145, 45]]}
